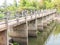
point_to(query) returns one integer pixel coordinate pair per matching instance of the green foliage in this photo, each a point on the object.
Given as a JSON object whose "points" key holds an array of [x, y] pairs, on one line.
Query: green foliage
{"points": [[57, 5], [1, 15], [11, 8], [34, 4], [46, 4], [49, 5], [29, 4], [23, 3], [15, 43], [15, 3]]}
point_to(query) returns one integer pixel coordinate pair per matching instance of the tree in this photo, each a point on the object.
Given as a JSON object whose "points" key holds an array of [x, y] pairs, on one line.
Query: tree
{"points": [[57, 4], [23, 2], [15, 3], [49, 4], [27, 4]]}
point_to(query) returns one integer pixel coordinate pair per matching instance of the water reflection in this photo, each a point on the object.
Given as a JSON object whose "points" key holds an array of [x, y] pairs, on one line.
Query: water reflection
{"points": [[41, 36], [54, 38]]}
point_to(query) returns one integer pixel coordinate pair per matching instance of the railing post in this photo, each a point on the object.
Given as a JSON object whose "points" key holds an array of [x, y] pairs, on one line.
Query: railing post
{"points": [[42, 17], [31, 14], [6, 19], [22, 14], [39, 12], [17, 17], [6, 22], [55, 15], [35, 18], [26, 25]]}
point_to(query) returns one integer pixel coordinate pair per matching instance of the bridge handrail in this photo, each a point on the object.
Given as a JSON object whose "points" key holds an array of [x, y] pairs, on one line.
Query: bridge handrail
{"points": [[22, 19], [41, 12]]}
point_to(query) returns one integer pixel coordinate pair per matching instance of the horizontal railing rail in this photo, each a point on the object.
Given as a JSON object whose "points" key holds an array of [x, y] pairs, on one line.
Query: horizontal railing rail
{"points": [[20, 18], [17, 15]]}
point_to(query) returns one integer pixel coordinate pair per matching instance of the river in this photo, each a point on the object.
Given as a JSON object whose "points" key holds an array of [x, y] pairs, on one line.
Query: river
{"points": [[42, 36], [54, 37], [50, 36]]}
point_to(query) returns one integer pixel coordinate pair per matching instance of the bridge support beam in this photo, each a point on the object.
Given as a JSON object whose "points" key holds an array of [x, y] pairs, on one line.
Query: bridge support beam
{"points": [[32, 29], [39, 24], [19, 34], [3, 38]]}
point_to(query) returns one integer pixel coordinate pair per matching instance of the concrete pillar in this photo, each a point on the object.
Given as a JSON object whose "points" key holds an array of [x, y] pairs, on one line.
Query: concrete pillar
{"points": [[32, 29], [18, 34], [40, 24], [3, 38]]}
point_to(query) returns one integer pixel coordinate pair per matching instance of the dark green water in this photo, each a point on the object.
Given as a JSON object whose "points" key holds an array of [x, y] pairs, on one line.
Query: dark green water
{"points": [[54, 38], [41, 37]]}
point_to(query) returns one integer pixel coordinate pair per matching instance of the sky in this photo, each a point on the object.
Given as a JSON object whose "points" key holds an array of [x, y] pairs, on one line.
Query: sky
{"points": [[8, 2]]}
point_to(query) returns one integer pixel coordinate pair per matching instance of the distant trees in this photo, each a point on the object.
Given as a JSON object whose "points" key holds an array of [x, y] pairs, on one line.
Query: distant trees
{"points": [[27, 4], [49, 4], [33, 4], [57, 4], [30, 5]]}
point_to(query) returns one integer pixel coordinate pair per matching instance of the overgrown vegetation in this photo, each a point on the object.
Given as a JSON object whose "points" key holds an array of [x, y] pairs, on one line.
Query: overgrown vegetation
{"points": [[15, 43], [31, 5]]}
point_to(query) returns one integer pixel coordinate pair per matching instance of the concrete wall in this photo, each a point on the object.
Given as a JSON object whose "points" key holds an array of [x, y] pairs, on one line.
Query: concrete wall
{"points": [[3, 38]]}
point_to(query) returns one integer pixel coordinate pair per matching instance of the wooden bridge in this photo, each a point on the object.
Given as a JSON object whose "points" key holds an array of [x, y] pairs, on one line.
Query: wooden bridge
{"points": [[20, 28]]}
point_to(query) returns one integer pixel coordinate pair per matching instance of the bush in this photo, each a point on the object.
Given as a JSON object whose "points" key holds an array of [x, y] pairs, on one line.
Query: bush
{"points": [[1, 15], [49, 5], [15, 43]]}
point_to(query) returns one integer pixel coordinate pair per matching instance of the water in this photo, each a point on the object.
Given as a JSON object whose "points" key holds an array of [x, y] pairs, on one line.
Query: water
{"points": [[41, 36], [54, 38]]}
